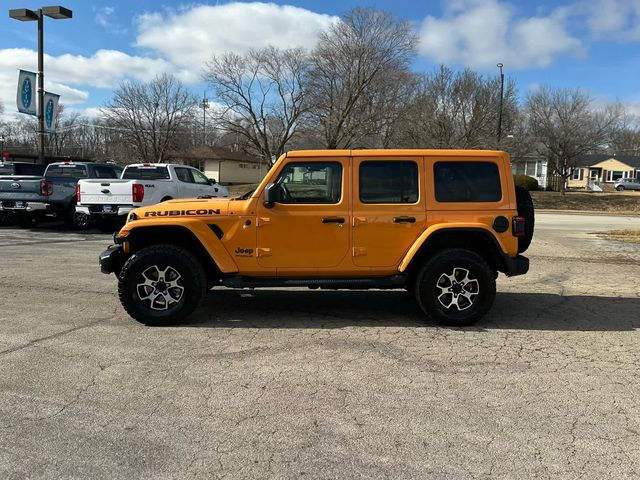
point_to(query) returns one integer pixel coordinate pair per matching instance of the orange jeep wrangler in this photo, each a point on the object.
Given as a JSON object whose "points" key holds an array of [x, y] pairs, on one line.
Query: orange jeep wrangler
{"points": [[440, 223]]}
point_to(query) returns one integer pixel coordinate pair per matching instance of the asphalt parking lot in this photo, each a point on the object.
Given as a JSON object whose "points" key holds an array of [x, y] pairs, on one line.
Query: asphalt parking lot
{"points": [[307, 384]]}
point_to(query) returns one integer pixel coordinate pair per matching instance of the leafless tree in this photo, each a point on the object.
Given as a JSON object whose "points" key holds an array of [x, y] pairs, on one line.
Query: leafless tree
{"points": [[566, 127], [459, 110], [361, 50], [263, 94], [150, 115], [625, 140]]}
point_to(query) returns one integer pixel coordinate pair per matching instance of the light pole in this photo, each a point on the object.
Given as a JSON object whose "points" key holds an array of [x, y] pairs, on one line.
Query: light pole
{"points": [[500, 65], [204, 105], [2, 139], [25, 15]]}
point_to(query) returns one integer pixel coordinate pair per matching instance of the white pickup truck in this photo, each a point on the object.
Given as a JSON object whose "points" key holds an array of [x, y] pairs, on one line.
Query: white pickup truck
{"points": [[140, 185]]}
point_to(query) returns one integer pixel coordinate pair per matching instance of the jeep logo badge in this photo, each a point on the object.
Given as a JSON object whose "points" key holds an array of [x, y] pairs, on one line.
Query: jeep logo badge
{"points": [[15, 185]]}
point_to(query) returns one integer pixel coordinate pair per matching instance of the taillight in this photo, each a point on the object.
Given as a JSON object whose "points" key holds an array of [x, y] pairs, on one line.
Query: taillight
{"points": [[46, 188], [518, 226], [78, 193], [137, 192]]}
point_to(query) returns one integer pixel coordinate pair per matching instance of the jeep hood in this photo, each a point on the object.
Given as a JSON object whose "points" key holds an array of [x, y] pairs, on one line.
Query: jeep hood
{"points": [[190, 207]]}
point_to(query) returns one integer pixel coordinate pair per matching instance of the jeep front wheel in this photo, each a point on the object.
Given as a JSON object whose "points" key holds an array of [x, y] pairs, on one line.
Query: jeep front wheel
{"points": [[161, 285], [455, 287]]}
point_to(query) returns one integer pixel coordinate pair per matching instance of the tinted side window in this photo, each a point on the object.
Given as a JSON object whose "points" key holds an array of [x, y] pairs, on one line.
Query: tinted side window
{"points": [[467, 182], [103, 171], [311, 182], [146, 173], [184, 175], [388, 182]]}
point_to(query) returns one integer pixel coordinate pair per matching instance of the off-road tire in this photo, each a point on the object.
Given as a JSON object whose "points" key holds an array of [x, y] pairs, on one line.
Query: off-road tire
{"points": [[192, 276], [526, 210], [429, 295]]}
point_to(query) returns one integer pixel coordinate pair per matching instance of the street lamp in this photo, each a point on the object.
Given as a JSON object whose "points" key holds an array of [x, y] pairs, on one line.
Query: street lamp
{"points": [[2, 139], [25, 15], [500, 65]]}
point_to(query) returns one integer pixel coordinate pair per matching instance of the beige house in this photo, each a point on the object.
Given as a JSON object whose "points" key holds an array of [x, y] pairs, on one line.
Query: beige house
{"points": [[596, 172], [225, 166]]}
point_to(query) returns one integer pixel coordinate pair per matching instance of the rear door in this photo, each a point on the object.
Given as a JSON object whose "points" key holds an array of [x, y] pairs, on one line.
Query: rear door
{"points": [[388, 209]]}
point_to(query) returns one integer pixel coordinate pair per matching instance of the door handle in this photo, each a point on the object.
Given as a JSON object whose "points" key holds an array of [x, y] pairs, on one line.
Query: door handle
{"points": [[404, 219], [333, 220]]}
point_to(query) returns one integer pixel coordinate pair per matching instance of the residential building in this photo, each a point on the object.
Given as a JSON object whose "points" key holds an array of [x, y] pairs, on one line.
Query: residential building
{"points": [[533, 166], [595, 172], [225, 166]]}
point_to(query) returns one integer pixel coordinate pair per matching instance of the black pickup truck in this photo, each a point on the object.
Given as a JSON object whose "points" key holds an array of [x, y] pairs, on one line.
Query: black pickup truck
{"points": [[31, 198]]}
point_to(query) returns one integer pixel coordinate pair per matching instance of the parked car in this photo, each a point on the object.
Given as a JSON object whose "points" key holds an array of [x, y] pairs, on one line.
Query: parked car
{"points": [[12, 170], [627, 184], [439, 223], [32, 198], [142, 184]]}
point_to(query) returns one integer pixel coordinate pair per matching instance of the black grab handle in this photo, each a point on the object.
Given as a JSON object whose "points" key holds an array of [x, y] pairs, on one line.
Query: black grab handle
{"points": [[404, 219], [333, 220]]}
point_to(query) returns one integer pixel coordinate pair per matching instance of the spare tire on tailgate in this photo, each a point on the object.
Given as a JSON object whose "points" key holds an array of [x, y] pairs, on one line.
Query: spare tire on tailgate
{"points": [[525, 209]]}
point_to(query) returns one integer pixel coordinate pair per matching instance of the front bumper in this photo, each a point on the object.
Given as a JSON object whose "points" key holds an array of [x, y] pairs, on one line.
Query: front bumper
{"points": [[23, 206], [112, 259], [513, 266]]}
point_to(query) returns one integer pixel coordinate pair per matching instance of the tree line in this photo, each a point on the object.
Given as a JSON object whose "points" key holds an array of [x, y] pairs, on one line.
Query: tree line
{"points": [[355, 89]]}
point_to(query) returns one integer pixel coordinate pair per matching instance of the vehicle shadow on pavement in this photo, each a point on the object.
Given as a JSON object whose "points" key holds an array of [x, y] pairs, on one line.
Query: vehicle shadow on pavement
{"points": [[336, 309]]}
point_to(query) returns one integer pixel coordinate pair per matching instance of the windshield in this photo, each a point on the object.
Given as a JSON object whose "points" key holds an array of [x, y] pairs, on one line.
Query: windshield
{"points": [[146, 173]]}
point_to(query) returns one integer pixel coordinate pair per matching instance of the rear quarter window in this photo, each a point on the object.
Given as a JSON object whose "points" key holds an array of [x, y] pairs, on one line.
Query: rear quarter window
{"points": [[467, 182]]}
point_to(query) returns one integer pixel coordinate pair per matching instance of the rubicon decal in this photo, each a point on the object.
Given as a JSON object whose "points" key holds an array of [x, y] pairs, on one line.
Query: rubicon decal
{"points": [[180, 213]]}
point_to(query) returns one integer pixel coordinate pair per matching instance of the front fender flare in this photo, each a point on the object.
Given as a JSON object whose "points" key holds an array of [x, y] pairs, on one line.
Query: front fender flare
{"points": [[203, 234]]}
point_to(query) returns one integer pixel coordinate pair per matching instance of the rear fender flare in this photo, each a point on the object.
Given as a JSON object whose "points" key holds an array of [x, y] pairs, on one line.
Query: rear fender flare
{"points": [[441, 228]]}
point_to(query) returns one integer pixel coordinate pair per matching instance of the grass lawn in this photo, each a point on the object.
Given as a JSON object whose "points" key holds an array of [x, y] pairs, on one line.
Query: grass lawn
{"points": [[629, 236], [627, 202]]}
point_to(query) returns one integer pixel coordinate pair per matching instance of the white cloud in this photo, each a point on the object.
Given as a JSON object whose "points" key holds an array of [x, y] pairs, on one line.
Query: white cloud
{"points": [[106, 18], [619, 19], [201, 31], [481, 33], [103, 70]]}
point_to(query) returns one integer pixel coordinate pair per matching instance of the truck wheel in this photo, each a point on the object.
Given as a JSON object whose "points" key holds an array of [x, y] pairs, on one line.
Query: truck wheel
{"points": [[455, 287], [161, 285], [526, 210], [620, 188], [76, 220], [6, 219]]}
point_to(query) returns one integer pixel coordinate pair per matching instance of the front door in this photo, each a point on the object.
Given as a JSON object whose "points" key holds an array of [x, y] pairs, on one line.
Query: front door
{"points": [[388, 209], [309, 227]]}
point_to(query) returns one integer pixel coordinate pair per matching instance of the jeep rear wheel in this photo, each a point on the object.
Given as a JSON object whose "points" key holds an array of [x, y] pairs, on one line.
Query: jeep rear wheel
{"points": [[526, 210], [455, 287], [161, 285]]}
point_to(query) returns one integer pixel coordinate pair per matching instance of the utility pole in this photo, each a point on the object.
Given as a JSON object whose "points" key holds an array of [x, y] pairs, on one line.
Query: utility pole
{"points": [[204, 105], [500, 65]]}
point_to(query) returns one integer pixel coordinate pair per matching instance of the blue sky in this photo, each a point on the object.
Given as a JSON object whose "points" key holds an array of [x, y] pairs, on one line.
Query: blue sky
{"points": [[592, 44]]}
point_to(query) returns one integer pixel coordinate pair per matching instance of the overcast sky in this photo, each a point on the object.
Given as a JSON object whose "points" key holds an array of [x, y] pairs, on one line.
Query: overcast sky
{"points": [[593, 44]]}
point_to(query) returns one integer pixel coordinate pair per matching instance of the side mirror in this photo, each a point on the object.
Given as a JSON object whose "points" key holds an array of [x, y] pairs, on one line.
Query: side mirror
{"points": [[272, 195], [212, 181]]}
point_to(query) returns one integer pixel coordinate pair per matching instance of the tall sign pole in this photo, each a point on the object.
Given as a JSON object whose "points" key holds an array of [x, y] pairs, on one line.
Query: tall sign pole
{"points": [[40, 88]]}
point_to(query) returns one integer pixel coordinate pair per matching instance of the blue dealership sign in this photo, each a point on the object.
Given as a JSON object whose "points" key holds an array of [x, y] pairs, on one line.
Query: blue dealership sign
{"points": [[26, 98], [50, 110]]}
